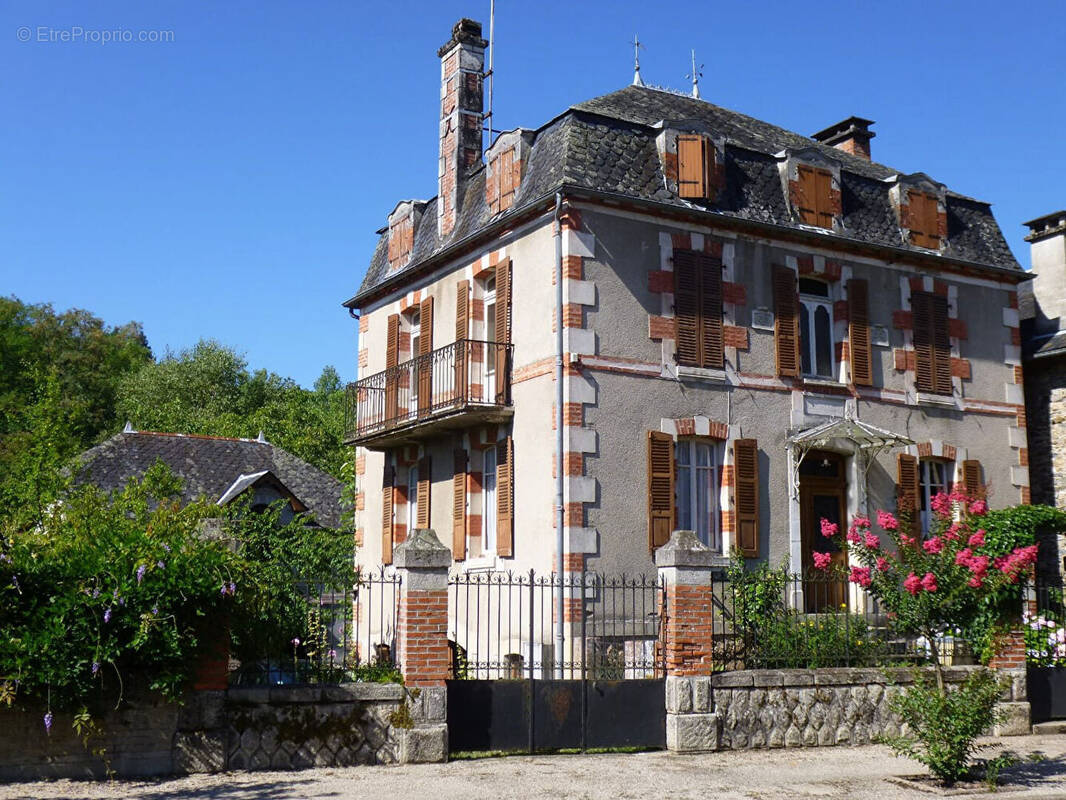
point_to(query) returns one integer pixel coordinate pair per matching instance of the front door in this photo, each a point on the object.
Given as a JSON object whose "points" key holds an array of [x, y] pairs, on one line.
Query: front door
{"points": [[822, 496]]}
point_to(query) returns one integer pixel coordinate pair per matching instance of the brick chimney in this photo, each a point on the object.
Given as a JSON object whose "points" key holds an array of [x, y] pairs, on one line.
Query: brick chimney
{"points": [[1047, 243], [462, 62], [853, 136]]}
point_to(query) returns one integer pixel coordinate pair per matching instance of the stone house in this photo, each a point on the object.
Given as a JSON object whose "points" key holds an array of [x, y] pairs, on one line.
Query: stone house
{"points": [[758, 329]]}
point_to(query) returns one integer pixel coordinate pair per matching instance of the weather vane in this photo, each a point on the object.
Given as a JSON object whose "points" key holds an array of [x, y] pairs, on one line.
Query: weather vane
{"points": [[637, 81], [695, 75]]}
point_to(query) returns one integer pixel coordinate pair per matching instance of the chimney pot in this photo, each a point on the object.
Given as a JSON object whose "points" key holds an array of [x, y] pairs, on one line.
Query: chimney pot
{"points": [[852, 135]]}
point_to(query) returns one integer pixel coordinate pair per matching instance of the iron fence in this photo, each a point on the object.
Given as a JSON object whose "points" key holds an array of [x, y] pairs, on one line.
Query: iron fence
{"points": [[324, 630], [459, 375], [773, 620], [505, 625]]}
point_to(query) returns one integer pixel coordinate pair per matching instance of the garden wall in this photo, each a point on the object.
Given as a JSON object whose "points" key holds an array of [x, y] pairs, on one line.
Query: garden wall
{"points": [[280, 727], [806, 708]]}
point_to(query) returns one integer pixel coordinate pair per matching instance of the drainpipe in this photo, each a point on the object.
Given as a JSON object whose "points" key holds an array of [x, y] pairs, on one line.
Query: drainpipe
{"points": [[560, 539]]}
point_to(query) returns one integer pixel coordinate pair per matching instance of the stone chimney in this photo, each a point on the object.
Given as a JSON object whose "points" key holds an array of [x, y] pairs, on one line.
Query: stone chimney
{"points": [[853, 136], [1047, 249], [462, 63]]}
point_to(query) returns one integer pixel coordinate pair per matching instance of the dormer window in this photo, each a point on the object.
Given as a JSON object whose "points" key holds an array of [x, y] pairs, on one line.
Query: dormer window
{"points": [[691, 158], [920, 203], [812, 196], [922, 219], [403, 221], [505, 161], [695, 164]]}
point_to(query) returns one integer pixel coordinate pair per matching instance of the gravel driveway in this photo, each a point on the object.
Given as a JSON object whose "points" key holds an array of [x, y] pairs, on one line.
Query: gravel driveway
{"points": [[833, 772]]}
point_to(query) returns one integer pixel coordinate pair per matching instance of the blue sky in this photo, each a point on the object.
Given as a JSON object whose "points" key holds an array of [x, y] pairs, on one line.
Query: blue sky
{"points": [[228, 183]]}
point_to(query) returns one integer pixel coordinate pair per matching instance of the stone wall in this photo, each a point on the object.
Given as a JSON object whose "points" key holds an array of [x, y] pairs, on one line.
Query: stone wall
{"points": [[803, 708], [1045, 407], [282, 727]]}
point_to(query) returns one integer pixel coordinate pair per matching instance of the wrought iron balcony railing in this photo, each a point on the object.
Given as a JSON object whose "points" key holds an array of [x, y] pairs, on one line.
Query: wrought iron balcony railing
{"points": [[467, 378]]}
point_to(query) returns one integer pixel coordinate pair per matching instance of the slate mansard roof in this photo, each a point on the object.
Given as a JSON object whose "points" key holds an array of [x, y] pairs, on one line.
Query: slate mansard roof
{"points": [[209, 466], [607, 145]]}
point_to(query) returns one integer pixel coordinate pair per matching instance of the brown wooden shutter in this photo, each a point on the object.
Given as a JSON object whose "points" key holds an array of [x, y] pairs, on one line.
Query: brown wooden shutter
{"points": [[505, 170], [786, 322], [425, 484], [971, 478], [804, 195], [505, 498], [746, 472], [503, 332], [712, 353], [923, 217], [941, 345], [462, 329], [686, 308], [387, 488], [425, 363], [392, 358], [859, 333], [692, 167], [907, 490], [823, 186], [459, 505], [660, 488]]}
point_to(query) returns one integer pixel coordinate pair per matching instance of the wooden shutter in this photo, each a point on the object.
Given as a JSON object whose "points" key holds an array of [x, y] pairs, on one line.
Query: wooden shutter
{"points": [[932, 343], [859, 333], [462, 329], [692, 167], [503, 332], [786, 322], [923, 220], [907, 490], [459, 505], [505, 498], [505, 173], [392, 358], [387, 488], [425, 483], [712, 354], [660, 488], [425, 351], [804, 194], [686, 308], [746, 472], [823, 187], [971, 478], [941, 345]]}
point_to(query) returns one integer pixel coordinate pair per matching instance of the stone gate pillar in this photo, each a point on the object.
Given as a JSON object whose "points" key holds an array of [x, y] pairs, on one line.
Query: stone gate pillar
{"points": [[684, 565]]}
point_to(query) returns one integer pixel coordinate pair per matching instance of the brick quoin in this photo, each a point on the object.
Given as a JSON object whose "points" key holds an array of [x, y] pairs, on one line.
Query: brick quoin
{"points": [[573, 463], [805, 265], [735, 293], [661, 328], [660, 281], [681, 241], [733, 336], [1011, 652], [902, 320]]}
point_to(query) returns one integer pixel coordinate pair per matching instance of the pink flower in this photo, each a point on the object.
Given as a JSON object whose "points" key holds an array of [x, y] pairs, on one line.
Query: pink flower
{"points": [[978, 508], [962, 558], [933, 545], [829, 529], [907, 541], [854, 537], [887, 521], [929, 582], [861, 576], [952, 533], [882, 564], [821, 560], [871, 540], [859, 522], [941, 504], [978, 539], [912, 583], [978, 565], [975, 582]]}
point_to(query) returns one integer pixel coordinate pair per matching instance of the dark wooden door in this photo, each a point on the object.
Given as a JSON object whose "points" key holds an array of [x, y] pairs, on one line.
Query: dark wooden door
{"points": [[823, 495]]}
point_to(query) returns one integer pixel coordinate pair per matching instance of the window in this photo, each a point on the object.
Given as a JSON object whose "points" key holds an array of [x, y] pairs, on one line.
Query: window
{"points": [[412, 497], [490, 336], [697, 492], [934, 477], [932, 343], [698, 310], [489, 501], [816, 329], [922, 220], [813, 196], [416, 341], [401, 240], [501, 185]]}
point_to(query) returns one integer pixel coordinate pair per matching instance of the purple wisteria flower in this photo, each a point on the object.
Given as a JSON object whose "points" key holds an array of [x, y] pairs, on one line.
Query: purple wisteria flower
{"points": [[5, 558], [296, 641], [96, 593], [15, 583], [332, 654], [114, 594], [160, 564], [140, 573], [96, 667], [166, 547], [48, 722], [107, 615], [122, 601], [155, 609]]}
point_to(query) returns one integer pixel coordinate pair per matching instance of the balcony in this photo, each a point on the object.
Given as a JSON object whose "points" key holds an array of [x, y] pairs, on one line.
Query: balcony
{"points": [[461, 385]]}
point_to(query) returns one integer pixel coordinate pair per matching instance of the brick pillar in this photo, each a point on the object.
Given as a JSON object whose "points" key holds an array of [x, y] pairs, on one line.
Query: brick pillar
{"points": [[684, 565], [422, 639], [1009, 661]]}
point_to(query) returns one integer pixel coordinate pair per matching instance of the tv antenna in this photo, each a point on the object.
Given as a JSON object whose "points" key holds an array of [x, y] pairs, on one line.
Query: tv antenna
{"points": [[695, 75], [486, 119], [637, 47]]}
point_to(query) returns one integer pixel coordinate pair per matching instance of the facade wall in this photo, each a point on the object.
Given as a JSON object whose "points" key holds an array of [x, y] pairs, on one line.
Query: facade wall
{"points": [[1045, 386]]}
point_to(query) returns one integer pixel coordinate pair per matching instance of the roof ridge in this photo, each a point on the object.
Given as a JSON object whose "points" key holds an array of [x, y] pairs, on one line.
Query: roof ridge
{"points": [[192, 436]]}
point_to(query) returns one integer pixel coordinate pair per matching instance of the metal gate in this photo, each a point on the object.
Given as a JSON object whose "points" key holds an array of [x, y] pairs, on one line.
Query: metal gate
{"points": [[528, 680]]}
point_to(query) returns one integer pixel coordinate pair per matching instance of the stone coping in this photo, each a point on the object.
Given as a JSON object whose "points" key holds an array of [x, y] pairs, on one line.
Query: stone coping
{"points": [[330, 693], [829, 676]]}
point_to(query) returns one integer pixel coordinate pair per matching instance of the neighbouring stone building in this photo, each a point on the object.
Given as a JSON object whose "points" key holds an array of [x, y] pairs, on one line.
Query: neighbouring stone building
{"points": [[759, 329]]}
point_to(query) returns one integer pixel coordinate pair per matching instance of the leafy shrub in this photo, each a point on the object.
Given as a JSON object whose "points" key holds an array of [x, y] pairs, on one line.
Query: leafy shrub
{"points": [[794, 640], [944, 726]]}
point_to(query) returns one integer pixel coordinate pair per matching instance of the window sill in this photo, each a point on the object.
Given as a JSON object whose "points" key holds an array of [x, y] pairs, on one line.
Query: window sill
{"points": [[943, 400], [710, 375], [483, 563], [822, 383]]}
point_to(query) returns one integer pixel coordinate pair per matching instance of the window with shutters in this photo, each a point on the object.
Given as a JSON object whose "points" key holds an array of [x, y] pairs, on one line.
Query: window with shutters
{"points": [[490, 334], [698, 310], [698, 484], [934, 476], [490, 501], [817, 357], [932, 343], [923, 219], [695, 165], [412, 497], [812, 196], [414, 328]]}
